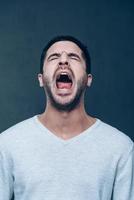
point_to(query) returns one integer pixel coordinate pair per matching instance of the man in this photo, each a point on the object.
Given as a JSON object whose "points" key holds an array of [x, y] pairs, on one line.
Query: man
{"points": [[65, 154]]}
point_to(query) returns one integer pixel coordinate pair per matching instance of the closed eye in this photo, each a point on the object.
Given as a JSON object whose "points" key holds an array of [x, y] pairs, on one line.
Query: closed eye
{"points": [[74, 56], [53, 56]]}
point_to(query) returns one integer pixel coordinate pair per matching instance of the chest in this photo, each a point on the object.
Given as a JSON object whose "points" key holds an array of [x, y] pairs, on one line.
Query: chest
{"points": [[63, 167]]}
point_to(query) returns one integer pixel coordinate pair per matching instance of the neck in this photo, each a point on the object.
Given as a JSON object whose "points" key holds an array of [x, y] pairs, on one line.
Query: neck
{"points": [[66, 124]]}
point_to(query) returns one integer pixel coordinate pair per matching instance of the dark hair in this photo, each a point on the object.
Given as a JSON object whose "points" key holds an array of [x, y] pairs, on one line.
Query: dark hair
{"points": [[83, 48]]}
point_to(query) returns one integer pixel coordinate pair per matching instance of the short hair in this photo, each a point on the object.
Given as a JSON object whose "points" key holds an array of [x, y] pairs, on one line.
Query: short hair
{"points": [[85, 52]]}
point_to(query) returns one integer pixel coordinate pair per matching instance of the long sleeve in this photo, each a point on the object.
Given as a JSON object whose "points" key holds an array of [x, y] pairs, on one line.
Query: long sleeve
{"points": [[6, 179], [124, 181]]}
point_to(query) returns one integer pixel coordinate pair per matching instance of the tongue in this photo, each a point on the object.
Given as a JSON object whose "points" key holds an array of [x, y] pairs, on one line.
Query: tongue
{"points": [[62, 85]]}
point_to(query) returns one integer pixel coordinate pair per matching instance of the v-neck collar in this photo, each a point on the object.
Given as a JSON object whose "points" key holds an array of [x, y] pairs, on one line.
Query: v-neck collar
{"points": [[70, 140]]}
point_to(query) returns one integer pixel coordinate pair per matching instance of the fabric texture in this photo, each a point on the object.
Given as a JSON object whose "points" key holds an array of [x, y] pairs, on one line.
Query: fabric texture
{"points": [[35, 164]]}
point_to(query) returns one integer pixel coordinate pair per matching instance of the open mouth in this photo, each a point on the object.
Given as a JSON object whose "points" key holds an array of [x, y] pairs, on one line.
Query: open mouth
{"points": [[64, 81]]}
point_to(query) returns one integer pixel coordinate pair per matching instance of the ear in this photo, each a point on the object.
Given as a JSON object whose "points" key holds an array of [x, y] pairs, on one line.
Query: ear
{"points": [[40, 79], [89, 80]]}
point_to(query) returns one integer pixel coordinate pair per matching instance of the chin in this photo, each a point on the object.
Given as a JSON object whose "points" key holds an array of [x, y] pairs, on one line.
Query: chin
{"points": [[67, 104], [64, 98]]}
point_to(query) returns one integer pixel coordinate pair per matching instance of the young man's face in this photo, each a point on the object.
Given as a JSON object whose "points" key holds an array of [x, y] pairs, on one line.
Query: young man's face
{"points": [[64, 75]]}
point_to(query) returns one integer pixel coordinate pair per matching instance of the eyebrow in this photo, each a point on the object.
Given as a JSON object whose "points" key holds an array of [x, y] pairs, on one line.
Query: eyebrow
{"points": [[58, 55]]}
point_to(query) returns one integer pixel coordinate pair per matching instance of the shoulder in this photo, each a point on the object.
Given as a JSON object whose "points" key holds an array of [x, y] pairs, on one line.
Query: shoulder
{"points": [[17, 131], [113, 138]]}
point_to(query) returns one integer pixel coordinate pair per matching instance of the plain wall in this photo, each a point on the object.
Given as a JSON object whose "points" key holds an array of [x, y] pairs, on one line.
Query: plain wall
{"points": [[106, 27]]}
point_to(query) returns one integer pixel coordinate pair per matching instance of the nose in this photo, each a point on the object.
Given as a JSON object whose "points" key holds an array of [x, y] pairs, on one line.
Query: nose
{"points": [[63, 61]]}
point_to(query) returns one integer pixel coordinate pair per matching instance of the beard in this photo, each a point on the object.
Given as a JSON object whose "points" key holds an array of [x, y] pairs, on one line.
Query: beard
{"points": [[74, 102]]}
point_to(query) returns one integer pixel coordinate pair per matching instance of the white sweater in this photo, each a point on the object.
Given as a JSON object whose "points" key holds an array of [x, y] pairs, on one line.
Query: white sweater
{"points": [[98, 164]]}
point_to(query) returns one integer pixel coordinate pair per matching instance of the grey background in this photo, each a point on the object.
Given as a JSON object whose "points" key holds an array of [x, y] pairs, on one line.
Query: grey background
{"points": [[106, 27]]}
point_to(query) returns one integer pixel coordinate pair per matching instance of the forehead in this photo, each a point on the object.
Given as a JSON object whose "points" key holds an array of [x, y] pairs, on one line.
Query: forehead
{"points": [[67, 46]]}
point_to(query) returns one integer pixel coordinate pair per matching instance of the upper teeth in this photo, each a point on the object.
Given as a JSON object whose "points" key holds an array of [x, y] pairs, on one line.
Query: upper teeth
{"points": [[63, 73]]}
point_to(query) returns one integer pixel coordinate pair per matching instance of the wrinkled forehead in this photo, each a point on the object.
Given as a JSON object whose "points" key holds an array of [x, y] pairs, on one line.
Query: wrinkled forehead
{"points": [[64, 46]]}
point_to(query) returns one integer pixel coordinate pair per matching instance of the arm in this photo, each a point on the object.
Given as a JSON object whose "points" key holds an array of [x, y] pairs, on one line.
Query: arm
{"points": [[124, 181], [6, 179]]}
